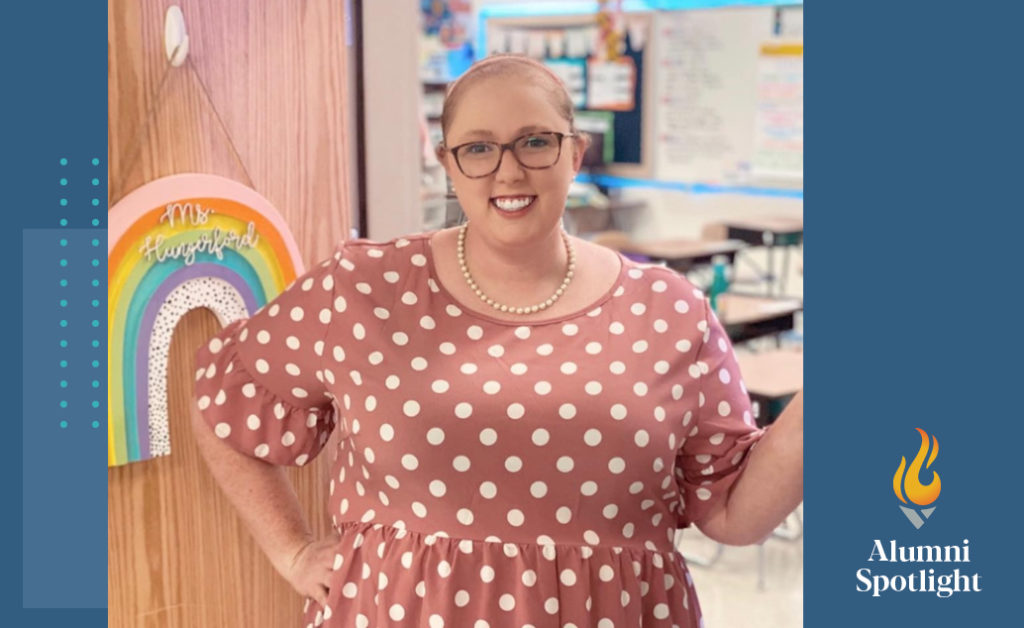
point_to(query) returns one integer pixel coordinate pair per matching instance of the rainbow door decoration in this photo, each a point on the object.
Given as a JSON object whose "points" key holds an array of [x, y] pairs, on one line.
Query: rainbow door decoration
{"points": [[176, 244]]}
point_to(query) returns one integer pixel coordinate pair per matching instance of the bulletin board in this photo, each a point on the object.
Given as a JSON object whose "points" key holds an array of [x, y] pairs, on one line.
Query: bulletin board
{"points": [[566, 45], [718, 93]]}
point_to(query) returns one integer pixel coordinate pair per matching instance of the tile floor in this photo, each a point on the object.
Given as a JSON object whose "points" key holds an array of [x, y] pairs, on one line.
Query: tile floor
{"points": [[728, 589]]}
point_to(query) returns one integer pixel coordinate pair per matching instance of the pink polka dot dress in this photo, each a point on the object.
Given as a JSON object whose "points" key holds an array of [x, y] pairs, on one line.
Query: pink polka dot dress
{"points": [[490, 473]]}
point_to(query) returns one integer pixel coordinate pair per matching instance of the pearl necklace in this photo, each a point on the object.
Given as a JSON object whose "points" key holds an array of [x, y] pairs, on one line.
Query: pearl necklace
{"points": [[570, 271]]}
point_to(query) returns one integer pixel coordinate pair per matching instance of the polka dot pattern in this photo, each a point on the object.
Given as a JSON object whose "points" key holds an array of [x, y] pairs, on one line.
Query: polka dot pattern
{"points": [[480, 461], [267, 374]]}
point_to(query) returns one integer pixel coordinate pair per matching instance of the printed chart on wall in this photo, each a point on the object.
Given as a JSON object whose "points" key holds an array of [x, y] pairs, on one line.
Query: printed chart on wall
{"points": [[709, 74], [779, 133]]}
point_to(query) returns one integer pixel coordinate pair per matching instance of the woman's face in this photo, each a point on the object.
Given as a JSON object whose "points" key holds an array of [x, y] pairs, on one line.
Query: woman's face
{"points": [[502, 109]]}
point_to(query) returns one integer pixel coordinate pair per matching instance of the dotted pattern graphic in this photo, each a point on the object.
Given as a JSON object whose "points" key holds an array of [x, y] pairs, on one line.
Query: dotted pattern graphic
{"points": [[81, 193], [217, 295], [64, 306], [63, 361]]}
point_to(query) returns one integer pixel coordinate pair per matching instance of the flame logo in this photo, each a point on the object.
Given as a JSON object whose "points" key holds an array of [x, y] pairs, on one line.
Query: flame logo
{"points": [[920, 494]]}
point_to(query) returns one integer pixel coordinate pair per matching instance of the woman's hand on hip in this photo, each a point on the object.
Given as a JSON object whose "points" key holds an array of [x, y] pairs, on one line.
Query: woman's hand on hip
{"points": [[309, 571]]}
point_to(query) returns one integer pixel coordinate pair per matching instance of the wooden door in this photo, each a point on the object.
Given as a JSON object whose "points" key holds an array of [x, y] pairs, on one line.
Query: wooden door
{"points": [[263, 98]]}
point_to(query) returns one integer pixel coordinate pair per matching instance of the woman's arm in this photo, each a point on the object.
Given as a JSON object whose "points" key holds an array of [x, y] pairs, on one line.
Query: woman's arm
{"points": [[266, 501], [770, 487]]}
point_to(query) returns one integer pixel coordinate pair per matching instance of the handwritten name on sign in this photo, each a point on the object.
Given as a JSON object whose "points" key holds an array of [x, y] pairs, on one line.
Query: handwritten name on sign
{"points": [[212, 241]]}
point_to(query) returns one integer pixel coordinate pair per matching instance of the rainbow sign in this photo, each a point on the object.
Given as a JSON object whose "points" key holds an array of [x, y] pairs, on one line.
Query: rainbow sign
{"points": [[175, 244]]}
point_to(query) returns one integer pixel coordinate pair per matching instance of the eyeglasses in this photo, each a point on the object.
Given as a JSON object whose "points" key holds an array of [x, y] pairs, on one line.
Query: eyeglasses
{"points": [[534, 151]]}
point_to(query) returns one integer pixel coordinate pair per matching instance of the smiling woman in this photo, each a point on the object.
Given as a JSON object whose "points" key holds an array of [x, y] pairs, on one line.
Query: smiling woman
{"points": [[511, 149], [526, 418]]}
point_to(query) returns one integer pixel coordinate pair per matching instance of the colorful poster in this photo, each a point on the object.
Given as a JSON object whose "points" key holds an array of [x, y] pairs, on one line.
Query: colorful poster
{"points": [[779, 122], [610, 84]]}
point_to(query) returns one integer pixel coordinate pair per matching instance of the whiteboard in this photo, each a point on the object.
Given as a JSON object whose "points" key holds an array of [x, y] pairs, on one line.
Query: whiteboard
{"points": [[706, 70]]}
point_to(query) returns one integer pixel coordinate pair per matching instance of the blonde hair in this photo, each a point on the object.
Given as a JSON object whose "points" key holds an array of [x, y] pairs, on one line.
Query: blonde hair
{"points": [[501, 64]]}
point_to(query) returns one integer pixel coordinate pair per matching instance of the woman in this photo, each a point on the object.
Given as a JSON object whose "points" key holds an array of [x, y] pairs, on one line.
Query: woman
{"points": [[526, 418]]}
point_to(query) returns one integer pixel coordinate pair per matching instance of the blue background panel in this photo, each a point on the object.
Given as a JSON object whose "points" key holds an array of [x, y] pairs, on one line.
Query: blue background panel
{"points": [[53, 128], [64, 419], [913, 256]]}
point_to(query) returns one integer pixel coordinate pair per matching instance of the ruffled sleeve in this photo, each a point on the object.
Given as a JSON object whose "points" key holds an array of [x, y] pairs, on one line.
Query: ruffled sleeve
{"points": [[721, 432], [259, 384]]}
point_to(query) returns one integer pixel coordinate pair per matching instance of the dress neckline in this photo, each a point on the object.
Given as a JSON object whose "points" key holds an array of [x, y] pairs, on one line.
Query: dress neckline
{"points": [[428, 252]]}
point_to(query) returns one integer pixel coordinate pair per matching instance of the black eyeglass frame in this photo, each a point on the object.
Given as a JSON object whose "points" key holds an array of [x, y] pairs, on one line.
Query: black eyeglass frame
{"points": [[509, 146]]}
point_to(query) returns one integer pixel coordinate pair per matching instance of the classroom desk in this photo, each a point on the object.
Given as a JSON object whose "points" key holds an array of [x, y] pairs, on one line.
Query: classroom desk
{"points": [[747, 316], [685, 255], [769, 232], [771, 378]]}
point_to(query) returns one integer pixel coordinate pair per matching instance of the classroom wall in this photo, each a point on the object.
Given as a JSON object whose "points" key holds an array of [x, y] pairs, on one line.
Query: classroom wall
{"points": [[263, 99], [391, 110]]}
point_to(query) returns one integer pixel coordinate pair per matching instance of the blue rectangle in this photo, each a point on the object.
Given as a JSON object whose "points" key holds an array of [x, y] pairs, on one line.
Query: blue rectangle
{"points": [[913, 237], [64, 417]]}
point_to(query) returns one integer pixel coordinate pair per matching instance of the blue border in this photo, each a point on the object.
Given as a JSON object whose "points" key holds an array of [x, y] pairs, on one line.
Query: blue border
{"points": [[910, 283], [679, 186], [54, 163]]}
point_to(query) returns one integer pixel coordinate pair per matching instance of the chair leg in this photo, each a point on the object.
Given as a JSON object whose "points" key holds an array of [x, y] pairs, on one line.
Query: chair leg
{"points": [[760, 566], [785, 271]]}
